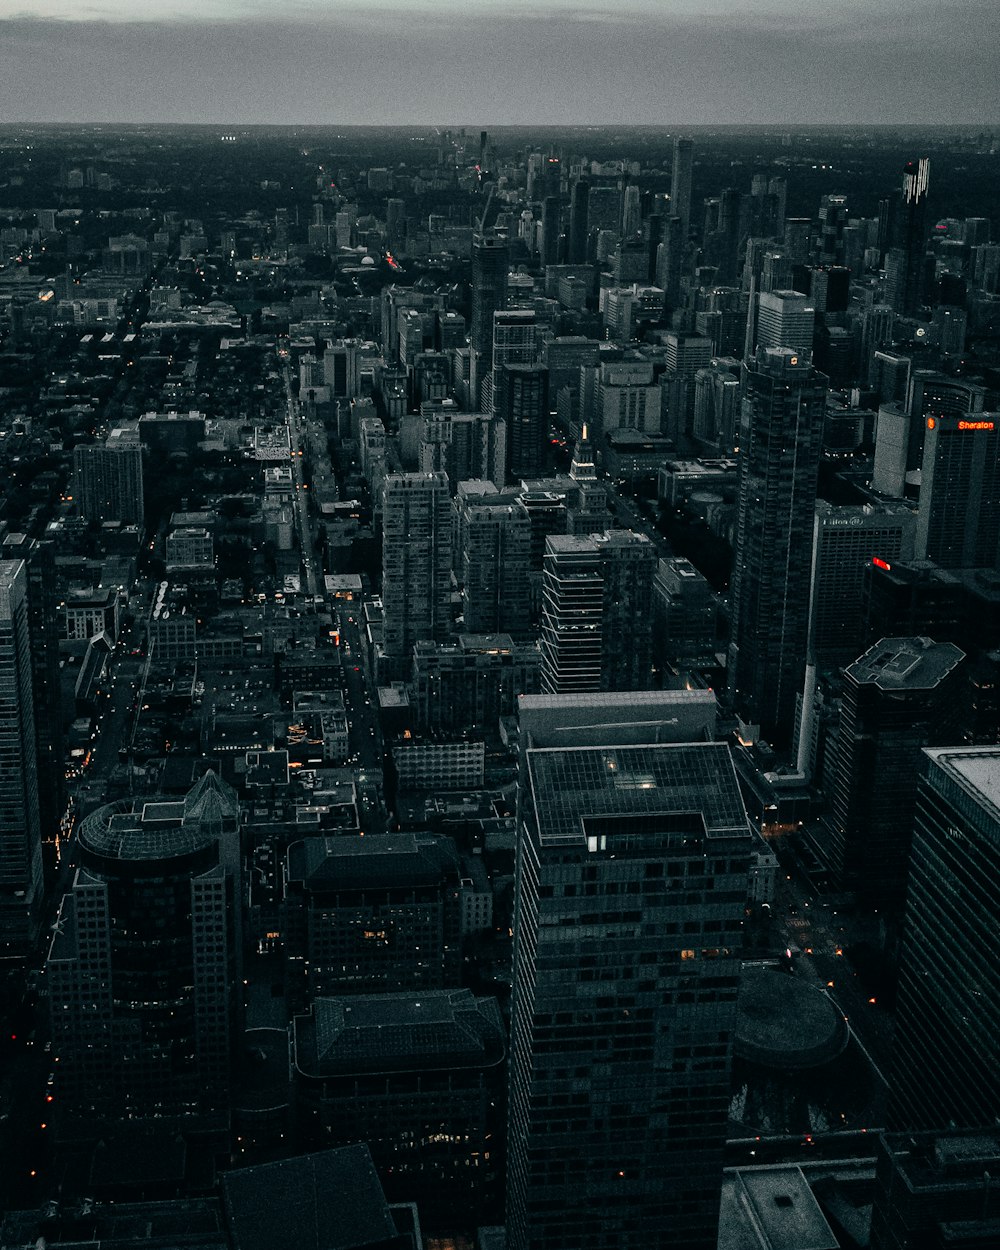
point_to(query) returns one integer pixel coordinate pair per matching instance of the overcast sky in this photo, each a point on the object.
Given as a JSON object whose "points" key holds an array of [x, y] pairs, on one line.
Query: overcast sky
{"points": [[586, 62]]}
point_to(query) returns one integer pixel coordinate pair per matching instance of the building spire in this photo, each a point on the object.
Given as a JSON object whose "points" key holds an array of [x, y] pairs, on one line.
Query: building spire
{"points": [[582, 466]]}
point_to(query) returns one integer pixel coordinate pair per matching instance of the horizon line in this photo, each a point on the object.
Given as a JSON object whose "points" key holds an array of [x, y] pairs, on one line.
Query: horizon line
{"points": [[469, 125]]}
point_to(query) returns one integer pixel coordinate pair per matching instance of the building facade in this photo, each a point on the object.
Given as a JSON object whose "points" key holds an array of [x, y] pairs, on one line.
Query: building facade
{"points": [[597, 612], [902, 695], [630, 887], [416, 561], [946, 1052], [20, 821], [781, 434], [958, 519], [144, 963], [107, 483]]}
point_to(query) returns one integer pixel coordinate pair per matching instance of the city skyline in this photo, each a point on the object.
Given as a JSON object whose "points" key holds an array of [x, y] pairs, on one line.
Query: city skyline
{"points": [[500, 664], [560, 62]]}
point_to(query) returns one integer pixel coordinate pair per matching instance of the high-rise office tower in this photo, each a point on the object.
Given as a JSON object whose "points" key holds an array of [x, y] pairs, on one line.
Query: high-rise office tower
{"points": [[622, 394], [946, 1051], [20, 827], [937, 1189], [628, 567], [685, 612], [845, 539], [669, 259], [143, 968], [829, 288], [680, 183], [786, 319], [588, 502], [781, 435], [395, 222], [902, 695], [797, 238], [490, 260], [715, 420], [107, 482], [777, 192], [342, 368], [891, 376], [597, 612], [604, 208], [624, 995], [986, 267], [631, 211], [416, 562], [833, 215], [684, 355], [494, 554], [551, 223], [905, 258], [522, 404], [958, 520], [578, 222], [515, 342], [876, 333], [44, 634], [572, 615]]}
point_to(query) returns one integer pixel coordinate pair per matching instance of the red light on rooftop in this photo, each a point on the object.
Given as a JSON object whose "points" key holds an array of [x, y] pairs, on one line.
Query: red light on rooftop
{"points": [[881, 564]]}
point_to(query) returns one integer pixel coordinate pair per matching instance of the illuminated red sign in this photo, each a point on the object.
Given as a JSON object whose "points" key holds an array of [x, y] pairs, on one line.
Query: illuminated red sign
{"points": [[975, 425], [881, 564]]}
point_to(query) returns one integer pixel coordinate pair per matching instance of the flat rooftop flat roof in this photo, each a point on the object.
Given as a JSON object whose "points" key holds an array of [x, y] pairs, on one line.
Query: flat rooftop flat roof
{"points": [[976, 770], [906, 663], [614, 699], [771, 1209]]}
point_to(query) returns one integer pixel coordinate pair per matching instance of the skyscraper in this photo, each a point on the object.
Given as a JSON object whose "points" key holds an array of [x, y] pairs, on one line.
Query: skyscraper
{"points": [[946, 1051], [958, 519], [144, 961], [669, 259], [902, 695], [597, 612], [785, 319], [551, 223], [631, 211], [578, 223], [781, 434], [845, 539], [905, 258], [416, 563], [490, 259], [572, 613], [20, 826], [624, 995], [515, 342], [522, 404], [588, 504], [937, 1189], [493, 562], [680, 183], [107, 482], [44, 634]]}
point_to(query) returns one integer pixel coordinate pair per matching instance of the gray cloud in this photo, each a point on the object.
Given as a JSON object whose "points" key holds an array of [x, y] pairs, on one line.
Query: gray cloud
{"points": [[829, 63]]}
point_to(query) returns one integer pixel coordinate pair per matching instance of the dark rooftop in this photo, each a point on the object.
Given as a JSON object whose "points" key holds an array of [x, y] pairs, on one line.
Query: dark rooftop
{"points": [[419, 1030], [569, 785], [332, 1200], [376, 860]]}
